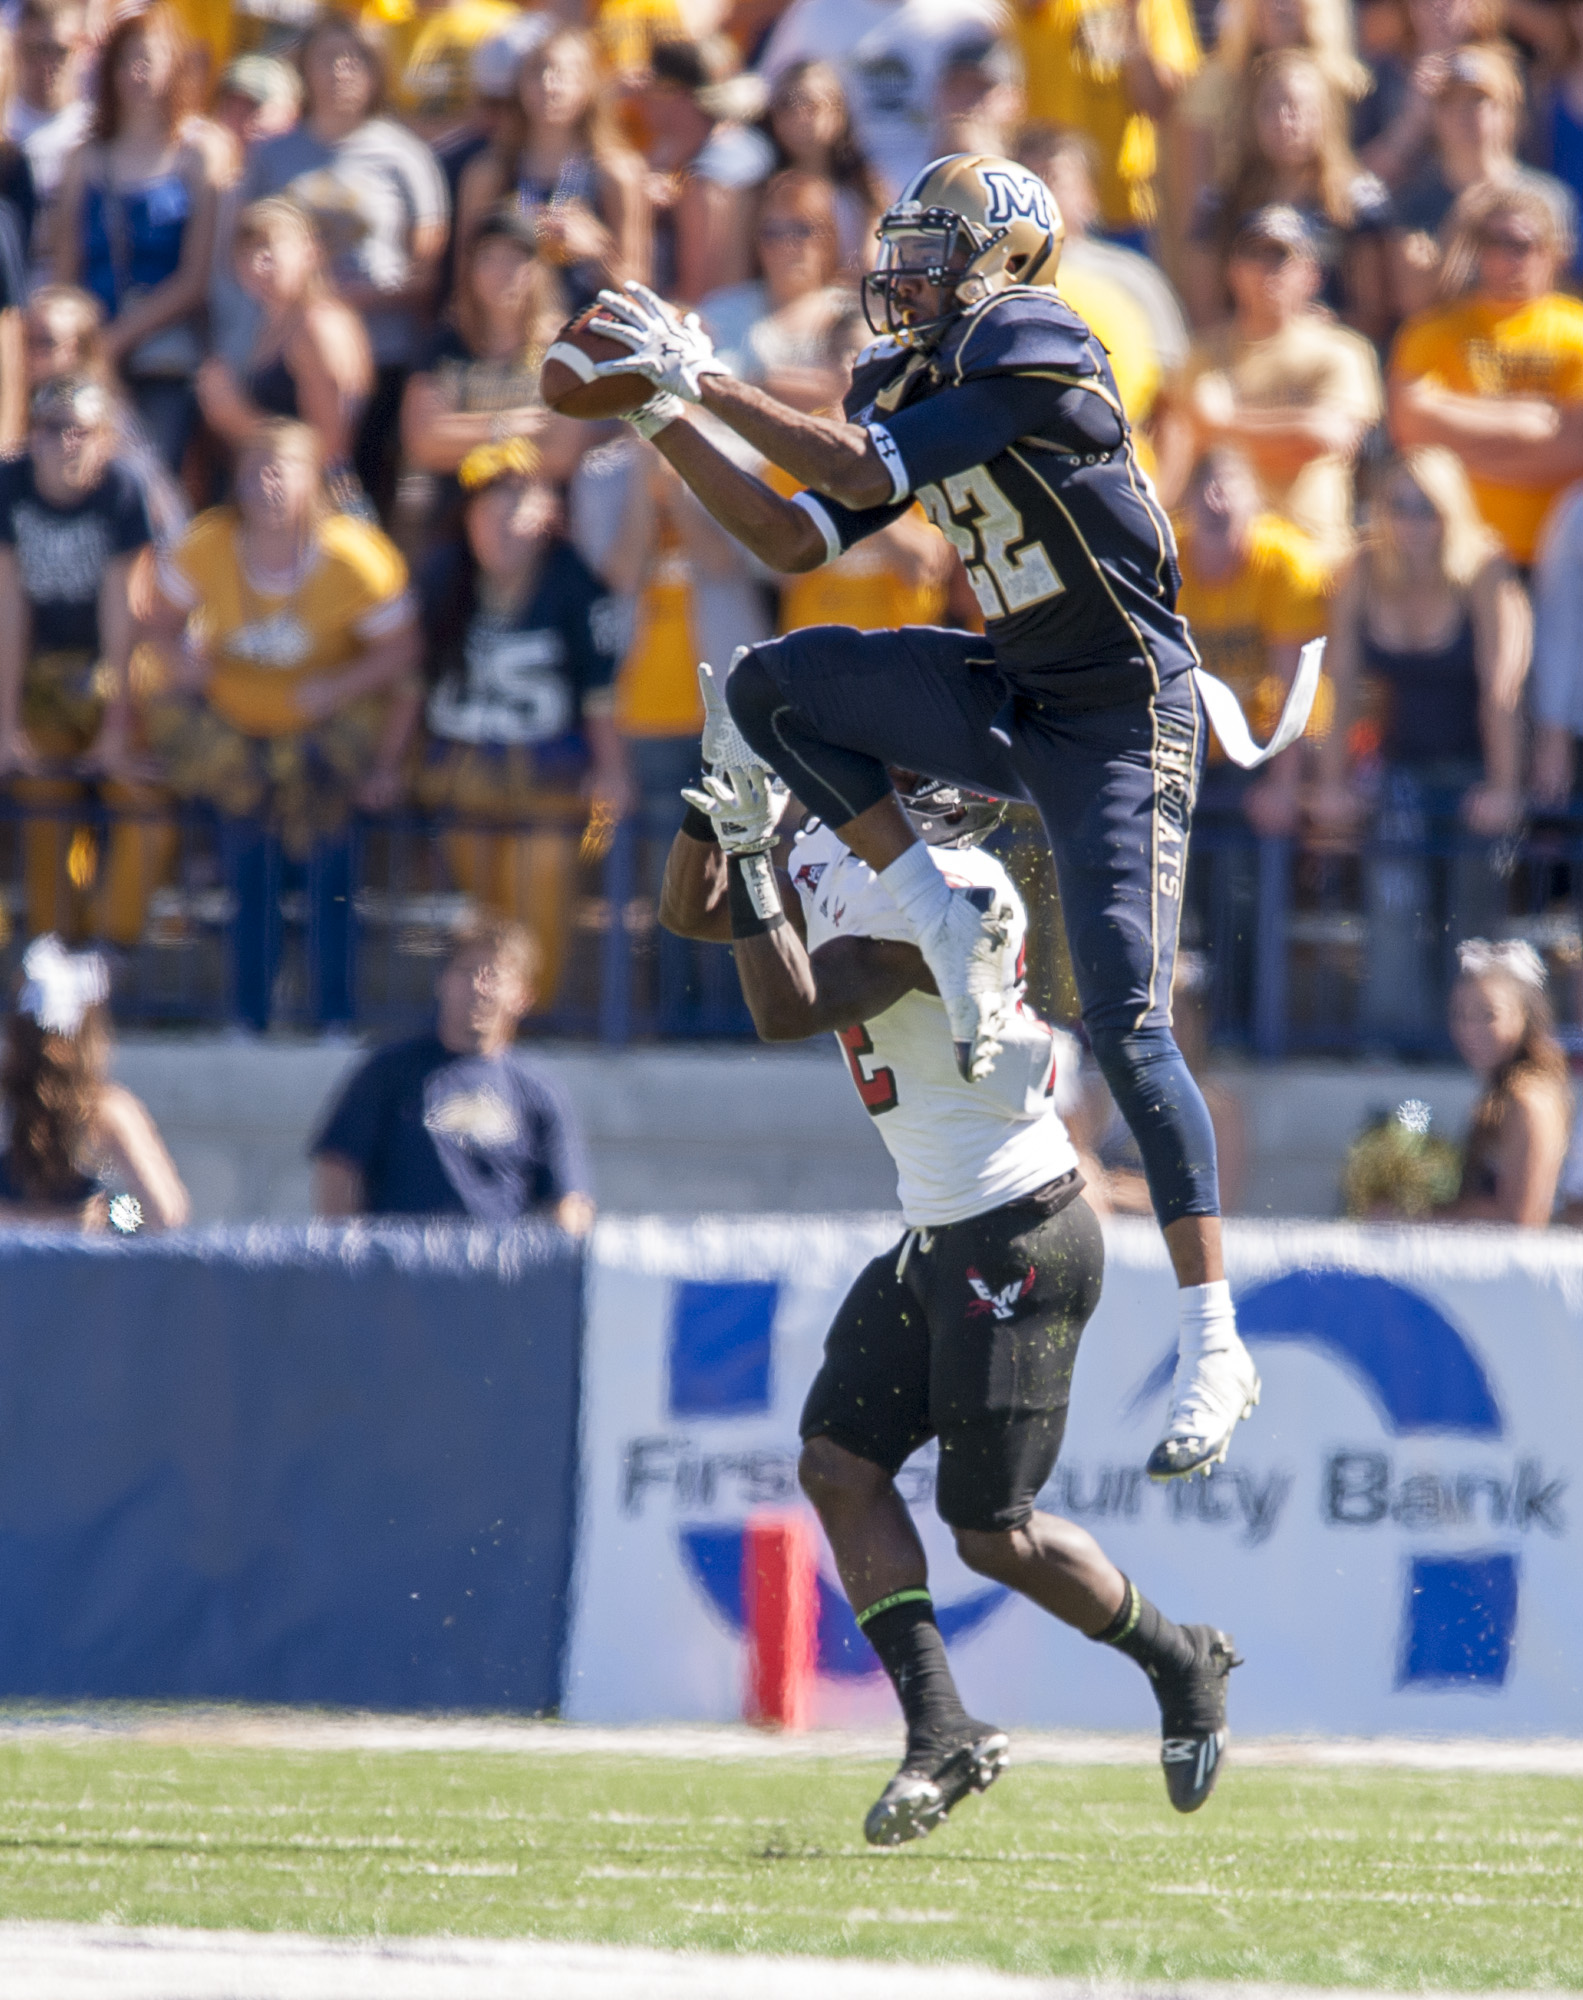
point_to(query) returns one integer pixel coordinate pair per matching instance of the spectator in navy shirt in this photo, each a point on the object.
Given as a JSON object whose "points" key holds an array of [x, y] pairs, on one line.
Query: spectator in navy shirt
{"points": [[449, 1123]]}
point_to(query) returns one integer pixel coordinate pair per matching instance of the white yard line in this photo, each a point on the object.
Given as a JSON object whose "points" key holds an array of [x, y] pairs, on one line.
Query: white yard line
{"points": [[240, 1727], [105, 1962]]}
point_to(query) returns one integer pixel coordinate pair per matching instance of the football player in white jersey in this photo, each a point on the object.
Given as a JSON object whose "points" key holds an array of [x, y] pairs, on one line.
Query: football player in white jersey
{"points": [[967, 1330]]}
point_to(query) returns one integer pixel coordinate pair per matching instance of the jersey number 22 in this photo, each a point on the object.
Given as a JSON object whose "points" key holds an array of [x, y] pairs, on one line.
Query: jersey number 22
{"points": [[1002, 582]]}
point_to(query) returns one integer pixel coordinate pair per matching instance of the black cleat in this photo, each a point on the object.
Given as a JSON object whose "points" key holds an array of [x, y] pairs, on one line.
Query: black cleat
{"points": [[929, 1783], [1193, 1717]]}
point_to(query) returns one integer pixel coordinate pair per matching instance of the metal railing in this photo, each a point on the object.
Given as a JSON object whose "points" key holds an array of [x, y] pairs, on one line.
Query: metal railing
{"points": [[1309, 949]]}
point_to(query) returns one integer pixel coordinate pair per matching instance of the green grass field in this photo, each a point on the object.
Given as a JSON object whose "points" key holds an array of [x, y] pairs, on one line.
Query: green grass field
{"points": [[1388, 1878]]}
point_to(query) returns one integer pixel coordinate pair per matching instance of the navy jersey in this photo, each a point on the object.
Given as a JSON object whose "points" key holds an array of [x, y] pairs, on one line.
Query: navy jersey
{"points": [[1012, 436]]}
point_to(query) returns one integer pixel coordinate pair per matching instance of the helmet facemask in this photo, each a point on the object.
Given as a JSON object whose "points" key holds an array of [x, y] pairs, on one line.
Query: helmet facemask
{"points": [[933, 244]]}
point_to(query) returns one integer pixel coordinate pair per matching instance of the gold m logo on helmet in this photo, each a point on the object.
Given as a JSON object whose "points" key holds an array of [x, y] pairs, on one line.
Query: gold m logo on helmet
{"points": [[1012, 193]]}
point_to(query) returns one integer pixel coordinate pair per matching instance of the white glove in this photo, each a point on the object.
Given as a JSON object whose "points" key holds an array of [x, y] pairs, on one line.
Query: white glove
{"points": [[724, 747], [745, 804], [671, 351]]}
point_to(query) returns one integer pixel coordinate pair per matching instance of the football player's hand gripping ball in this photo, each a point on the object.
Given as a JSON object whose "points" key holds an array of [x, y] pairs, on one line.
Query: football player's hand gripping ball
{"points": [[670, 350]]}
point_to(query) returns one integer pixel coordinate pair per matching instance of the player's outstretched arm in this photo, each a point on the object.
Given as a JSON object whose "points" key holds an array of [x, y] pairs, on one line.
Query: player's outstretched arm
{"points": [[781, 534], [838, 459]]}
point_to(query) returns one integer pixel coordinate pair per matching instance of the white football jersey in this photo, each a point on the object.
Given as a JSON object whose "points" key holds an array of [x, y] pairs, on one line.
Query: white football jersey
{"points": [[960, 1149]]}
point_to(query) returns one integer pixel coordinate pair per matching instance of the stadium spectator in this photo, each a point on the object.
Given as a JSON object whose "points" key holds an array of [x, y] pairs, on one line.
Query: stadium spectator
{"points": [[1254, 592], [704, 165], [80, 1150], [1064, 158], [1395, 123], [48, 115], [1429, 650], [524, 644], [1210, 111], [1496, 373], [136, 222], [776, 329], [72, 524], [310, 357], [888, 55], [1477, 109], [560, 159], [258, 98], [491, 112], [1279, 381], [978, 100], [1292, 148], [1555, 126], [1517, 1139], [428, 47], [1557, 695], [60, 336], [809, 124], [477, 379], [378, 202], [450, 1123], [291, 645], [1114, 72]]}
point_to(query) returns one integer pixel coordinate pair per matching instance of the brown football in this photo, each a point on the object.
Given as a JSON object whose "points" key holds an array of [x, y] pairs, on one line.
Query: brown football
{"points": [[567, 381]]}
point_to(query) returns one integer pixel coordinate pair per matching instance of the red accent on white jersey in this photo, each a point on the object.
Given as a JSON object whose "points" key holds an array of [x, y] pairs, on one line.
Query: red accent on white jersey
{"points": [[960, 1149]]}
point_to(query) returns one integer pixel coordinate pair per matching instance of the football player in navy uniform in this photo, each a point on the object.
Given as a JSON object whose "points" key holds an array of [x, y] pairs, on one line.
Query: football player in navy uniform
{"points": [[968, 1328], [989, 400]]}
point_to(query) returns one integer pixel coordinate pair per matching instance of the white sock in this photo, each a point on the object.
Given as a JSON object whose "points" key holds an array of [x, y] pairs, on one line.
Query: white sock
{"points": [[917, 888], [1207, 1320]]}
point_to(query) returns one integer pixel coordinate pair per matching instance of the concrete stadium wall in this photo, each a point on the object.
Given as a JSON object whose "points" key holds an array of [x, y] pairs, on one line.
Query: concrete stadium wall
{"points": [[720, 1128]]}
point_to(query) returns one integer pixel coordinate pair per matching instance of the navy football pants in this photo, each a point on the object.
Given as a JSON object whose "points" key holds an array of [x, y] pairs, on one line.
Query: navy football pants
{"points": [[830, 707]]}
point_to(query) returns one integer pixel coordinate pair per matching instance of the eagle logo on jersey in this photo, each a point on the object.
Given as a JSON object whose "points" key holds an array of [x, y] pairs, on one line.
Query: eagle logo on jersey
{"points": [[1001, 1304], [807, 876]]}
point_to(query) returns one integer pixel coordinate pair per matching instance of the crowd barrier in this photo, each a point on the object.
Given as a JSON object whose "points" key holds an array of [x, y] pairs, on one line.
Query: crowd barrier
{"points": [[1394, 1542], [290, 1464]]}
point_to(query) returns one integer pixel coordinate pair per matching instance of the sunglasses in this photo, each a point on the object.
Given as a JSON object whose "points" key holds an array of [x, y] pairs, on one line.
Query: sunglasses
{"points": [[790, 232], [1510, 245]]}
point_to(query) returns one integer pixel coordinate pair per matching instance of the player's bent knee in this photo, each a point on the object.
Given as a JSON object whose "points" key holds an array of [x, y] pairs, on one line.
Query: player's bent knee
{"points": [[753, 697], [832, 1476], [991, 1552]]}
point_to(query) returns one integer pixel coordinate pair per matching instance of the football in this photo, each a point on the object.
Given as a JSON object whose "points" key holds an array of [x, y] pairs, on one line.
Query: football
{"points": [[567, 381]]}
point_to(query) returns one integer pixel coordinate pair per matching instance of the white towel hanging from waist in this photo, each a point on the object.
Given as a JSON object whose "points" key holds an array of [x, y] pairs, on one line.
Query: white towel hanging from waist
{"points": [[1231, 725]]}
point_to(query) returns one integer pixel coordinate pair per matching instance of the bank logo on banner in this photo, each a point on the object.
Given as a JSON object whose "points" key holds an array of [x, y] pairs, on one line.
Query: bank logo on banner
{"points": [[720, 1375], [1424, 1379]]}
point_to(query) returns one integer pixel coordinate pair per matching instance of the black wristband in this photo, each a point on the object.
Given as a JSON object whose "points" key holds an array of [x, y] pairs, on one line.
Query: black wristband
{"points": [[747, 920], [698, 825]]}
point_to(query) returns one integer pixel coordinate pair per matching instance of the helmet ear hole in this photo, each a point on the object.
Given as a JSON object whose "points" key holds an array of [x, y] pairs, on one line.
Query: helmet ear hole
{"points": [[1015, 266]]}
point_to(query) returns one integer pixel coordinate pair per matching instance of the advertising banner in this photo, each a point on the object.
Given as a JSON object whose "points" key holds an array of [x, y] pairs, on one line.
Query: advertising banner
{"points": [[1394, 1543]]}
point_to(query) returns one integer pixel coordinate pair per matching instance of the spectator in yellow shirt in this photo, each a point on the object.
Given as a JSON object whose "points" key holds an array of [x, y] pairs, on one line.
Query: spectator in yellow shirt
{"points": [[290, 640], [1496, 374], [1253, 594], [1112, 68]]}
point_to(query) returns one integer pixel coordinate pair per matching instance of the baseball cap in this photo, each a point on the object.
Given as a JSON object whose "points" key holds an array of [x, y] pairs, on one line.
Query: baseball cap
{"points": [[497, 59], [262, 79], [69, 402], [1275, 222], [1486, 70], [512, 224]]}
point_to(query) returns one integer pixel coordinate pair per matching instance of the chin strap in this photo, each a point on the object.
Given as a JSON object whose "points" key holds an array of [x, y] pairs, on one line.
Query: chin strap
{"points": [[1231, 725]]}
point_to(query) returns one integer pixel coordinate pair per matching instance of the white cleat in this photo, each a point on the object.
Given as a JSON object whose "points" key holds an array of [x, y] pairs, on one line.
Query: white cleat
{"points": [[1211, 1395], [967, 953]]}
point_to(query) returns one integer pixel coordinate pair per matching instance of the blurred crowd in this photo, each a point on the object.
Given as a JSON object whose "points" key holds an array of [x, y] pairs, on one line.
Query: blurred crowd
{"points": [[286, 531]]}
